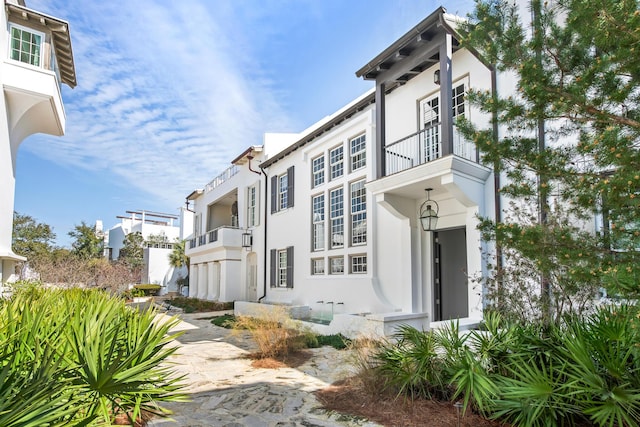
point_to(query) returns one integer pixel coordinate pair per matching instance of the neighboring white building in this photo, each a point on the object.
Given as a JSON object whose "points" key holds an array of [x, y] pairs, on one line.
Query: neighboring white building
{"points": [[160, 232], [341, 241], [36, 59]]}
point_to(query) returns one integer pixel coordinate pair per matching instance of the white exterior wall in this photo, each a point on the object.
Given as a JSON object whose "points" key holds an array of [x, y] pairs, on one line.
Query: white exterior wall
{"points": [[224, 263], [349, 292], [156, 263], [31, 103], [402, 105]]}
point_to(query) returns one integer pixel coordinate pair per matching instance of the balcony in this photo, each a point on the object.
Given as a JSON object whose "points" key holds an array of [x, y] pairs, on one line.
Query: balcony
{"points": [[220, 179], [225, 236], [423, 147], [33, 99]]}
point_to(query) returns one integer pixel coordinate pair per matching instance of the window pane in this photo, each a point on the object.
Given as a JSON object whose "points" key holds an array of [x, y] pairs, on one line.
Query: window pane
{"points": [[336, 162], [317, 221], [359, 264], [317, 266], [25, 46], [284, 182], [337, 218], [318, 171], [358, 213], [358, 152], [336, 265], [282, 268]]}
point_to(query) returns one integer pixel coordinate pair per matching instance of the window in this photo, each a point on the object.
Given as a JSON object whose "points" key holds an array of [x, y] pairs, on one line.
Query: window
{"points": [[282, 187], [252, 206], [282, 268], [336, 162], [317, 266], [458, 101], [283, 184], [336, 215], [318, 222], [336, 264], [317, 166], [358, 264], [358, 152], [26, 45], [358, 213], [430, 112]]}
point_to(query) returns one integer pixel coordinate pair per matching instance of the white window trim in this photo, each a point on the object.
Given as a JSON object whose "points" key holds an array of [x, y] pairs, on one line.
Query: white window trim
{"points": [[352, 213], [331, 272], [332, 244], [362, 152], [365, 264], [318, 244], [32, 31], [317, 173], [336, 163], [253, 209]]}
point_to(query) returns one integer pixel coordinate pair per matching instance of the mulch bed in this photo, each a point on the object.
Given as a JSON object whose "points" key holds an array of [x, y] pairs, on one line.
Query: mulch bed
{"points": [[350, 397]]}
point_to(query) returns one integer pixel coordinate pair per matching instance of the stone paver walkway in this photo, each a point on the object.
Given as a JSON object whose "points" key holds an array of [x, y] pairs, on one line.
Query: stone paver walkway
{"points": [[226, 391]]}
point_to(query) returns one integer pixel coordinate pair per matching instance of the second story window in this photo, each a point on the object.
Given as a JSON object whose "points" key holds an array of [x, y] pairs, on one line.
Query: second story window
{"points": [[358, 213], [252, 206], [283, 184], [336, 162], [26, 45], [358, 152], [458, 101], [282, 187], [317, 165], [336, 215], [318, 222]]}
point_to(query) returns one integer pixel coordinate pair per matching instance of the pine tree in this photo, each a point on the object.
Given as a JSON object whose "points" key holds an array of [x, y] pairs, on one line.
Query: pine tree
{"points": [[566, 149]]}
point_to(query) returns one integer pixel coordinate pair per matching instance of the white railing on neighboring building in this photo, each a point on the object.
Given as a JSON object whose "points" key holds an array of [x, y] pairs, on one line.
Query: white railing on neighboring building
{"points": [[224, 176], [423, 147], [210, 236]]}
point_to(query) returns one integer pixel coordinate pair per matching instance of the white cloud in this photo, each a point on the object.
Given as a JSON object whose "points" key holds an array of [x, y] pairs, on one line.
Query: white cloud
{"points": [[166, 95]]}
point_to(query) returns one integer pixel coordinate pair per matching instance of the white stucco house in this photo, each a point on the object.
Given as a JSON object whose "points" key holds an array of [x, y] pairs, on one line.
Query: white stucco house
{"points": [[343, 236], [35, 60], [160, 232]]}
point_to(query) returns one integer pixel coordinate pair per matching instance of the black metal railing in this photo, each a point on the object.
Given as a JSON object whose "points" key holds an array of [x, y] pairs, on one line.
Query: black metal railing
{"points": [[423, 147]]}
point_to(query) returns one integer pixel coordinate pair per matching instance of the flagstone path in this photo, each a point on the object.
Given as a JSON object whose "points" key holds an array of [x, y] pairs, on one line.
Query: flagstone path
{"points": [[226, 391]]}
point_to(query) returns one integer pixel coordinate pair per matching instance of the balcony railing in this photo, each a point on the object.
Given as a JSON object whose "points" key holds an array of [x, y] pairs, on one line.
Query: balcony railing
{"points": [[225, 235], [224, 176], [423, 147]]}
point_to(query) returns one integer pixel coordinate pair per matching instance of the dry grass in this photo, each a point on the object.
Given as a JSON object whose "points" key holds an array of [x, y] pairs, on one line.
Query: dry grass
{"points": [[274, 332]]}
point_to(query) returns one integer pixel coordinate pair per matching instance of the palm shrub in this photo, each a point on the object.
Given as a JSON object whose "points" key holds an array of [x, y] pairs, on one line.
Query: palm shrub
{"points": [[603, 369], [75, 357], [410, 364]]}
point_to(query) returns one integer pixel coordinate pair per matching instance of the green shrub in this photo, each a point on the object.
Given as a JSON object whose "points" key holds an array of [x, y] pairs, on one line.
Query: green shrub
{"points": [[195, 305], [584, 370], [74, 356], [225, 321], [338, 341], [148, 289]]}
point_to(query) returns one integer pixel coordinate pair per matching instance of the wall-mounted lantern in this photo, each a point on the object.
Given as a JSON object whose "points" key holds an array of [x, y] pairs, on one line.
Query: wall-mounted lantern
{"points": [[429, 215], [436, 77], [247, 240]]}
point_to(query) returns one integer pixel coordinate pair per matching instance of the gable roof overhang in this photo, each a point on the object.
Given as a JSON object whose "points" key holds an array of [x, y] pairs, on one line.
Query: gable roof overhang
{"points": [[60, 35], [415, 51]]}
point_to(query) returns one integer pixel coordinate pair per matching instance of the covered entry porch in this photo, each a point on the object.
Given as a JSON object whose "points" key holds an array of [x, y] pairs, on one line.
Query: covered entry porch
{"points": [[432, 270]]}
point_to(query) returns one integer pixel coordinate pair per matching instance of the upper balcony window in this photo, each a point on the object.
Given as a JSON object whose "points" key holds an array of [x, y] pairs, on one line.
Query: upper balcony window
{"points": [[26, 45]]}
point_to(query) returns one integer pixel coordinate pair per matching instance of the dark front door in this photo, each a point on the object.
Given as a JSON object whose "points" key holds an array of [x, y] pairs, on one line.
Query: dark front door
{"points": [[451, 290]]}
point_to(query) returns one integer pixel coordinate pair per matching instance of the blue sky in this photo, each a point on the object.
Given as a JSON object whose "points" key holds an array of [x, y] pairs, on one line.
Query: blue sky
{"points": [[169, 92]]}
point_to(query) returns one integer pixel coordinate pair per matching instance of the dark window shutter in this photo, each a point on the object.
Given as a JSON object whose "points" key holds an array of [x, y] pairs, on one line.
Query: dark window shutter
{"points": [[274, 267], [290, 187], [290, 267], [274, 194]]}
